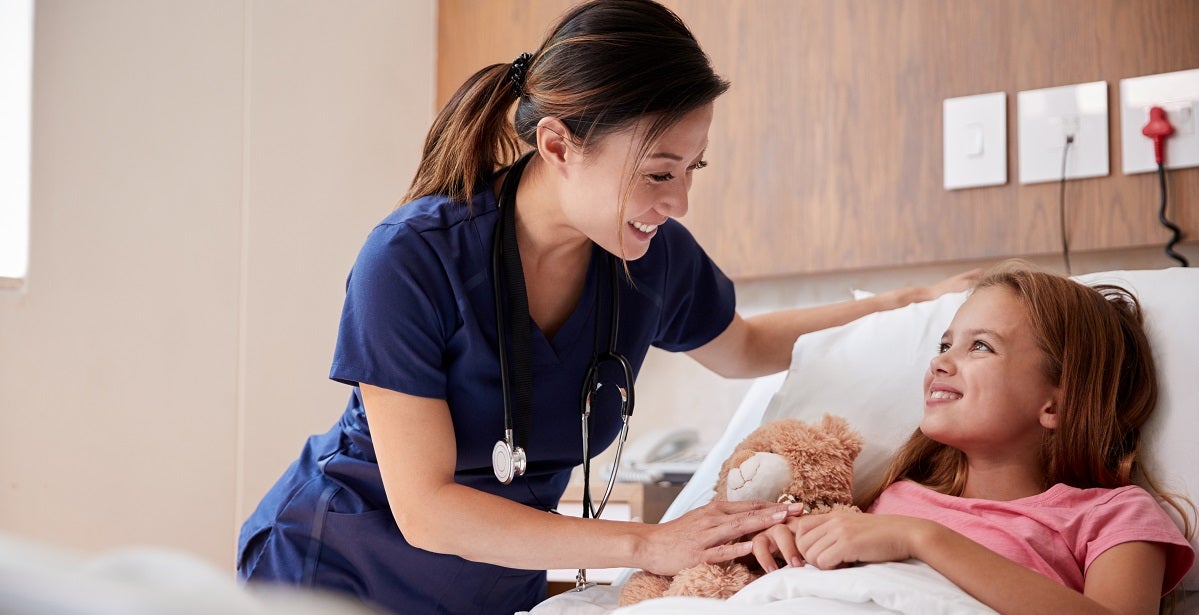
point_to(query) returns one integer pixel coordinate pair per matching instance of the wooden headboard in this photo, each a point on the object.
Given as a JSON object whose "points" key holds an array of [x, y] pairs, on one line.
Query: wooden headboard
{"points": [[827, 152]]}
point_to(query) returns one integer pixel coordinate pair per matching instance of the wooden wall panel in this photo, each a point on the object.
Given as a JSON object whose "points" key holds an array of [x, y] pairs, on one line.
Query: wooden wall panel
{"points": [[826, 154]]}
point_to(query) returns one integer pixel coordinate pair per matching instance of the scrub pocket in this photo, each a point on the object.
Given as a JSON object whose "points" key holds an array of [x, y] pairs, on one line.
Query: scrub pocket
{"points": [[248, 558]]}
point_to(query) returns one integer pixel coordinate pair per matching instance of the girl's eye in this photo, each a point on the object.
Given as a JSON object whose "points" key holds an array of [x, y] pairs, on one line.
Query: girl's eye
{"points": [[942, 348], [980, 345], [698, 165]]}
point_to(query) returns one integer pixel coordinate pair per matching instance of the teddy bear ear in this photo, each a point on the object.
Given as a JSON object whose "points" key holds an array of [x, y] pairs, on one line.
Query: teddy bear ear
{"points": [[839, 428], [833, 422]]}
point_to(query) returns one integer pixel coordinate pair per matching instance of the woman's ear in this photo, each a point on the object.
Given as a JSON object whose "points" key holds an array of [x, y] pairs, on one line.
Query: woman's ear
{"points": [[554, 142]]}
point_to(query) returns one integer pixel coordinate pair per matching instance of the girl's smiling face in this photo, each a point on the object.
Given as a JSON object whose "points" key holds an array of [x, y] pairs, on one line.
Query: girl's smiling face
{"points": [[659, 184], [986, 392]]}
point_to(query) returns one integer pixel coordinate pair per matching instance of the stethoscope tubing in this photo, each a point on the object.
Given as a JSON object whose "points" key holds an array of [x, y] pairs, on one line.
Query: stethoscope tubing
{"points": [[502, 236], [508, 450]]}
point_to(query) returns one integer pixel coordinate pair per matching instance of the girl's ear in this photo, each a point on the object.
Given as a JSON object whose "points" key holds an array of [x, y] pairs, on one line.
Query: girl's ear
{"points": [[1049, 416], [554, 142]]}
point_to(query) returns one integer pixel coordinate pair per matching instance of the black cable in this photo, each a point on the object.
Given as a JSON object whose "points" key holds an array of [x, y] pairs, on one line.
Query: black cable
{"points": [[1061, 205], [1175, 232]]}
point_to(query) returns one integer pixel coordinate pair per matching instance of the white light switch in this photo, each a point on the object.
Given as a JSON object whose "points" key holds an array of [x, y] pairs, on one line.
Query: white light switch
{"points": [[974, 140], [975, 137], [1178, 95], [1046, 117]]}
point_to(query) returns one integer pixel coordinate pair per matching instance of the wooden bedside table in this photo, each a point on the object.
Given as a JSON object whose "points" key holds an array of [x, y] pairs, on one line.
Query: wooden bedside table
{"points": [[643, 502]]}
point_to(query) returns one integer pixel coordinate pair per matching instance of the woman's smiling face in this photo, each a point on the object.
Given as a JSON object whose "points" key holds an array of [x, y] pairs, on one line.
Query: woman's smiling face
{"points": [[986, 391], [659, 184]]}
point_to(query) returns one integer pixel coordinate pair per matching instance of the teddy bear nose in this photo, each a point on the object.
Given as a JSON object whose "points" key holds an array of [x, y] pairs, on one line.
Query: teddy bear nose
{"points": [[744, 473], [761, 477]]}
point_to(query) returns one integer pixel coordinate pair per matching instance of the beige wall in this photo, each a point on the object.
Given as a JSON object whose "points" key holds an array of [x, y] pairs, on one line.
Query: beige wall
{"points": [[203, 173]]}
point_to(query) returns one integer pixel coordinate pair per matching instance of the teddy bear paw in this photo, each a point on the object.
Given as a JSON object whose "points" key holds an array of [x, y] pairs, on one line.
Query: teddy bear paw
{"points": [[711, 580]]}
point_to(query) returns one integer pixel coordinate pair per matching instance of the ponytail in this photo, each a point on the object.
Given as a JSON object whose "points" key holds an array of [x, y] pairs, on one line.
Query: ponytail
{"points": [[470, 138]]}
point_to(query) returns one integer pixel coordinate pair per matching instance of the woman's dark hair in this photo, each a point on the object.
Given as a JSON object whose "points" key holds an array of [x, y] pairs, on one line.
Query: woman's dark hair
{"points": [[606, 65]]}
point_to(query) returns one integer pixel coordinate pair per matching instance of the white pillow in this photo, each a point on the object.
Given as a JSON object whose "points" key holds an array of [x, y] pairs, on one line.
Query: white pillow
{"points": [[870, 371]]}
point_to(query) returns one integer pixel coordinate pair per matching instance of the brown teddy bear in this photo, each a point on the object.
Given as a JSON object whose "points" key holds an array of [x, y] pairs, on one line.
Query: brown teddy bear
{"points": [[786, 460]]}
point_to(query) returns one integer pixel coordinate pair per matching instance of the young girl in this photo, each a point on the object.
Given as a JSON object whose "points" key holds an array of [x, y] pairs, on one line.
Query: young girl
{"points": [[1018, 484], [411, 501]]}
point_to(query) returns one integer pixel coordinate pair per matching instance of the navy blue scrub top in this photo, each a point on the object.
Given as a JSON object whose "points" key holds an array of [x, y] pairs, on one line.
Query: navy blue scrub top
{"points": [[419, 318]]}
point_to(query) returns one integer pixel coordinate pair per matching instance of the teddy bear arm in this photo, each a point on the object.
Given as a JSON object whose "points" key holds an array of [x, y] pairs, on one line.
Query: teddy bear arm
{"points": [[711, 580], [643, 585]]}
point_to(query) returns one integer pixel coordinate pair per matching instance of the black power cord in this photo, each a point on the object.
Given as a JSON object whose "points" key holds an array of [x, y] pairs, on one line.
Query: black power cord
{"points": [[1061, 205], [1175, 232]]}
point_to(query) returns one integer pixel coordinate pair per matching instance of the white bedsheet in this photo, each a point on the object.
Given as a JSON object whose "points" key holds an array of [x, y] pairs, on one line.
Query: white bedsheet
{"points": [[895, 587]]}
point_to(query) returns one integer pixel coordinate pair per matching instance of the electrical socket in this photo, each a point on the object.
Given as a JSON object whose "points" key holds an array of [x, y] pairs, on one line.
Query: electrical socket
{"points": [[1177, 94], [1047, 117], [1068, 125]]}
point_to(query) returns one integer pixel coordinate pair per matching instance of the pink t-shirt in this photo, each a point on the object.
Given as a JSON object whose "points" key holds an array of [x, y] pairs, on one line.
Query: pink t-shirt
{"points": [[1058, 532]]}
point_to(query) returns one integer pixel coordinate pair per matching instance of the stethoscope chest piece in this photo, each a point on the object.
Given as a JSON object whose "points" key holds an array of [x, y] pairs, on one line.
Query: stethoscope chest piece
{"points": [[507, 461]]}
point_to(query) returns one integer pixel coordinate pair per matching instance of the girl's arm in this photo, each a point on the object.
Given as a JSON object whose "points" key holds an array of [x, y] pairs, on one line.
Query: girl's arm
{"points": [[414, 444], [1125, 579], [762, 344]]}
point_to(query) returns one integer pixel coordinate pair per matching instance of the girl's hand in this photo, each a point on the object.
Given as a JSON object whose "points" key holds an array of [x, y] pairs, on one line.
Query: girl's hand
{"points": [[838, 538], [709, 534], [774, 543]]}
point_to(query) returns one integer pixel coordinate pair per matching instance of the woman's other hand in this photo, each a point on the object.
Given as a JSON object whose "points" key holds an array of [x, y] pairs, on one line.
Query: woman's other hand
{"points": [[956, 283], [900, 297]]}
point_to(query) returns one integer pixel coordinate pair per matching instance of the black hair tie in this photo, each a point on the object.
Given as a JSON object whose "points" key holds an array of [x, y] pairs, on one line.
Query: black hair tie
{"points": [[516, 73]]}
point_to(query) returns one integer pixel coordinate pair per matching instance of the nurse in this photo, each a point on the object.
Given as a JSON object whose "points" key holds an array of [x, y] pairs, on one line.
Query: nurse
{"points": [[399, 503]]}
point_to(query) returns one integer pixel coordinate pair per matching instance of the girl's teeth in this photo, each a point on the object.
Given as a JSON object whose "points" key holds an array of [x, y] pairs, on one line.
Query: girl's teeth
{"points": [[644, 228], [944, 395]]}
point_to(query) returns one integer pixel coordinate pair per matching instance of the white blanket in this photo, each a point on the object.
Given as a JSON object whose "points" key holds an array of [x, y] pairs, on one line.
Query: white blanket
{"points": [[896, 587]]}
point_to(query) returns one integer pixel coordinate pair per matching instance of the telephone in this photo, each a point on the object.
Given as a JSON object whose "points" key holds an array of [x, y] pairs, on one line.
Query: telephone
{"points": [[664, 454]]}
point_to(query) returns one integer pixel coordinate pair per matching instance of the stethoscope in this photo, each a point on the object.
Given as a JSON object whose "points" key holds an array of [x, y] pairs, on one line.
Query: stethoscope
{"points": [[508, 458]]}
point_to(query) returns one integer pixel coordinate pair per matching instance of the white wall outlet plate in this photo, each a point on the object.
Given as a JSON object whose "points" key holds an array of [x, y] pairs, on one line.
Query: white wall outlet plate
{"points": [[1046, 117], [1178, 95], [975, 133]]}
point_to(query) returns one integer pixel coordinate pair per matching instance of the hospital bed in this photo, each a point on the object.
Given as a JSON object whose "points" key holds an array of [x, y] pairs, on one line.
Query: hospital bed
{"points": [[870, 371]]}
